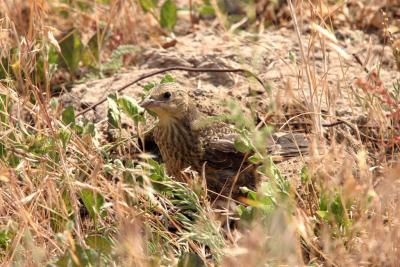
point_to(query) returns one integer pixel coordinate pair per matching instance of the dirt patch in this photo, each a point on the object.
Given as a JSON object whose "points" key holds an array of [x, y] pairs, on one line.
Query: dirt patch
{"points": [[267, 54], [274, 56]]}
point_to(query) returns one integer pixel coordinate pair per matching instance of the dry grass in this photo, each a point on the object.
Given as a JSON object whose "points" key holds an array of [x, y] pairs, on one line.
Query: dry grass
{"points": [[70, 199]]}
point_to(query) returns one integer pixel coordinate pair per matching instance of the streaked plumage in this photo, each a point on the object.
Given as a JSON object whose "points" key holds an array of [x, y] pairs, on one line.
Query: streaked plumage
{"points": [[185, 141]]}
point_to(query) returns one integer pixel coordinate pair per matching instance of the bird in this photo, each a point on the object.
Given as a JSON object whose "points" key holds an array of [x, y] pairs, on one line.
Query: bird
{"points": [[187, 139]]}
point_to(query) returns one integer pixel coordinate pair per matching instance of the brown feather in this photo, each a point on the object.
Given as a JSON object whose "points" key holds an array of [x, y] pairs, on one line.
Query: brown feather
{"points": [[186, 139]]}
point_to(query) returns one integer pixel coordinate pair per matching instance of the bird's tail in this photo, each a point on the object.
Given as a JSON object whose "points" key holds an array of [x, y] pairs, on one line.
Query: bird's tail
{"points": [[284, 146]]}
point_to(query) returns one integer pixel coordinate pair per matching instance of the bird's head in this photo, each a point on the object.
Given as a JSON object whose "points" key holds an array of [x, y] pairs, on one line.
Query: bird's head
{"points": [[168, 101]]}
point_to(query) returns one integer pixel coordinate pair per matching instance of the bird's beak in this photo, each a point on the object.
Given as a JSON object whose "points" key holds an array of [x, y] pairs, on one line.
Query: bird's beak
{"points": [[148, 103]]}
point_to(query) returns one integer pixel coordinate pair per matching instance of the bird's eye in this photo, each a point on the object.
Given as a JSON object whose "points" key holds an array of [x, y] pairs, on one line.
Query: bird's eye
{"points": [[167, 95]]}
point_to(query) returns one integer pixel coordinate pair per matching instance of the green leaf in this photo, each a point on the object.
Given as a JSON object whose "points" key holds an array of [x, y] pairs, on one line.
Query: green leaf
{"points": [[104, 2], [168, 15], [90, 54], [323, 203], [246, 213], [4, 68], [5, 239], [41, 145], [131, 108], [113, 113], [147, 5], [71, 50], [65, 136], [80, 257], [292, 57], [332, 209], [338, 210], [255, 159], [115, 62], [167, 79], [147, 87], [3, 151], [323, 214], [99, 243], [58, 223], [268, 88], [93, 202], [190, 259], [157, 171], [52, 56], [242, 145], [5, 107], [54, 103], [207, 10], [14, 160], [304, 174], [68, 116], [88, 129]]}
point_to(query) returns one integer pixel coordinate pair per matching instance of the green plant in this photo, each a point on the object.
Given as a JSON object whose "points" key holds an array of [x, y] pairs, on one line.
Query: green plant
{"points": [[167, 12]]}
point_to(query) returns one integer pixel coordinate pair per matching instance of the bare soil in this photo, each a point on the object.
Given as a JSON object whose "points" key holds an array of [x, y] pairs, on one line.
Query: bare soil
{"points": [[273, 55]]}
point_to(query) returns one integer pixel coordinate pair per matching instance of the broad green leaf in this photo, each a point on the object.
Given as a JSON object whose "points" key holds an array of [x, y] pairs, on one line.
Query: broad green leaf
{"points": [[93, 202], [323, 203], [338, 210], [246, 213], [80, 257], [88, 129], [52, 55], [255, 159], [131, 108], [68, 115], [260, 138], [5, 239], [242, 145], [115, 61], [323, 214], [304, 174], [207, 10], [331, 209], [14, 160], [113, 114], [147, 5], [99, 243], [168, 15], [90, 54], [71, 50], [157, 171], [41, 145], [65, 136]]}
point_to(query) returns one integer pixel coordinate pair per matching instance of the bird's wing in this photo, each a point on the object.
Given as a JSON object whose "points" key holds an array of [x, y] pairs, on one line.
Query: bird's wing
{"points": [[288, 145], [219, 147], [218, 140], [226, 168]]}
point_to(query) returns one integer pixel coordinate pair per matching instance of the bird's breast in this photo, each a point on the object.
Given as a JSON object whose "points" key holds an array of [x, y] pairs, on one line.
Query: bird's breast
{"points": [[179, 145]]}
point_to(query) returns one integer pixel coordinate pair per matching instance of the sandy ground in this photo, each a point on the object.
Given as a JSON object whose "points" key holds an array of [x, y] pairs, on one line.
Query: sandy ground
{"points": [[273, 55]]}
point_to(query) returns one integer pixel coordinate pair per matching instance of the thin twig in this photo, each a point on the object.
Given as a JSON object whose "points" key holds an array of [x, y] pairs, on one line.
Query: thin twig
{"points": [[180, 68], [358, 60]]}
